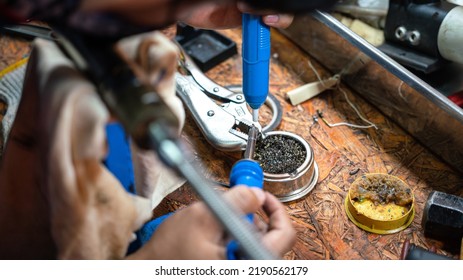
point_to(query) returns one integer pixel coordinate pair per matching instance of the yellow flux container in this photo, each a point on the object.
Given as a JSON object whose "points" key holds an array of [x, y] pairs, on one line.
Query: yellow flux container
{"points": [[382, 218]]}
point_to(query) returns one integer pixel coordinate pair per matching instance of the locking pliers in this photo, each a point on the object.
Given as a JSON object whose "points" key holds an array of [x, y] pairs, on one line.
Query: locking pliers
{"points": [[221, 114]]}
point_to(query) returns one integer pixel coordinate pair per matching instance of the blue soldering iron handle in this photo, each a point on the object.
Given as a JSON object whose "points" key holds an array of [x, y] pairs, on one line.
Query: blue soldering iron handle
{"points": [[256, 60], [245, 172]]}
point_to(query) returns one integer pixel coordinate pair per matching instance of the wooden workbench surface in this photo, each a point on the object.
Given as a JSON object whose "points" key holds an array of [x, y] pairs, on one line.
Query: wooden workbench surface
{"points": [[341, 153]]}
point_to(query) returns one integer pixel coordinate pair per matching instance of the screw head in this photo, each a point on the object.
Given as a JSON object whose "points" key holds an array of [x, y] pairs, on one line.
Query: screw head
{"points": [[401, 33], [210, 113], [414, 37]]}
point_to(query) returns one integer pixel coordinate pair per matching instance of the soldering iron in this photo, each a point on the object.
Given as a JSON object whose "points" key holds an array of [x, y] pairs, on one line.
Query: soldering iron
{"points": [[256, 49], [256, 61], [247, 172]]}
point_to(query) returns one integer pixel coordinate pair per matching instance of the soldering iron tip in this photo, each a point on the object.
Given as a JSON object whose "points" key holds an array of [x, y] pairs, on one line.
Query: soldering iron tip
{"points": [[255, 115]]}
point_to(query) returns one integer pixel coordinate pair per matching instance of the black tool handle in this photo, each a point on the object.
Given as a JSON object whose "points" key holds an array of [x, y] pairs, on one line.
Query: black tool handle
{"points": [[418, 253]]}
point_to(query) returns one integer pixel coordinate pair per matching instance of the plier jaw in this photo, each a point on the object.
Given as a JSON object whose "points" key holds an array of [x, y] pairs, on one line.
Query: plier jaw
{"points": [[242, 128]]}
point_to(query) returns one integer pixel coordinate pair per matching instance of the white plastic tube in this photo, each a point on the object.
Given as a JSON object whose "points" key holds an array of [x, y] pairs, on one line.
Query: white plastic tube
{"points": [[450, 37]]}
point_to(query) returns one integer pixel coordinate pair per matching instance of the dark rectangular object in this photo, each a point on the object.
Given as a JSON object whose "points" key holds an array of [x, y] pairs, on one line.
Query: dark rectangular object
{"points": [[207, 48]]}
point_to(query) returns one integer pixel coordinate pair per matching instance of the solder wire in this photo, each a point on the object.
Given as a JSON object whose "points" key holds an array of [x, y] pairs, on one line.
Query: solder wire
{"points": [[338, 87]]}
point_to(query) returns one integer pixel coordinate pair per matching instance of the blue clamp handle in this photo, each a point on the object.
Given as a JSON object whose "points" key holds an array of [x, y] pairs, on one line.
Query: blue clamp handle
{"points": [[244, 172], [256, 60]]}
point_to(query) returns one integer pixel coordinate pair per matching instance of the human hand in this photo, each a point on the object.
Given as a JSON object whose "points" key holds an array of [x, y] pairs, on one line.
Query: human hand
{"points": [[217, 15], [194, 233], [200, 13]]}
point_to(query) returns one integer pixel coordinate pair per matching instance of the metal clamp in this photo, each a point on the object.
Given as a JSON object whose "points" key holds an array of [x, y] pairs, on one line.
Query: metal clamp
{"points": [[221, 113]]}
